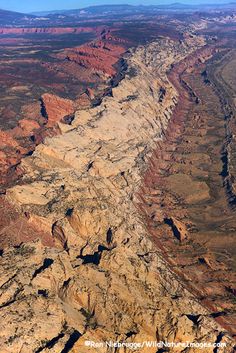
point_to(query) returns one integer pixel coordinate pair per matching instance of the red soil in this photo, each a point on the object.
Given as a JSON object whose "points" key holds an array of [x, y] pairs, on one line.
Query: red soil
{"points": [[151, 196], [92, 62]]}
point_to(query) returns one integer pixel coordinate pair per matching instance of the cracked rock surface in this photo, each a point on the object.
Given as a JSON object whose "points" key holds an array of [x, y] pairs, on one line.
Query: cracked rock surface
{"points": [[97, 275]]}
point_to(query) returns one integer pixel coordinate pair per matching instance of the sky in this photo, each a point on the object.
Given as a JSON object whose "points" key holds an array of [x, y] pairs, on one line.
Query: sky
{"points": [[47, 5]]}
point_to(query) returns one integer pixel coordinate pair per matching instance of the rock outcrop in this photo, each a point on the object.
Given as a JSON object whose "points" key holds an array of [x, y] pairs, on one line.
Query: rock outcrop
{"points": [[28, 114], [47, 30], [189, 213], [99, 56], [102, 278], [56, 108]]}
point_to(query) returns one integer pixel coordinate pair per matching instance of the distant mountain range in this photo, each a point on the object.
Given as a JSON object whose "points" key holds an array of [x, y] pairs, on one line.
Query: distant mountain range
{"points": [[102, 9], [10, 18], [91, 9]]}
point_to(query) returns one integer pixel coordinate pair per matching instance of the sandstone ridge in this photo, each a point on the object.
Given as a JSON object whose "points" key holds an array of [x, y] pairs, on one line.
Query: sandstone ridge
{"points": [[96, 275]]}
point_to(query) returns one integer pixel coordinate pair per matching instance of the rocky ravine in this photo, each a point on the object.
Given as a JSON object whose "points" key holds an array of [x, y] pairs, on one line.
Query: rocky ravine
{"points": [[100, 277]]}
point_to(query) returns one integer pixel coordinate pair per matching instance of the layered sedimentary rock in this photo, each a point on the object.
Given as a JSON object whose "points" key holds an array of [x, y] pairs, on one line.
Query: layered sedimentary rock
{"points": [[27, 113], [95, 274], [99, 56], [186, 191], [47, 30], [56, 108]]}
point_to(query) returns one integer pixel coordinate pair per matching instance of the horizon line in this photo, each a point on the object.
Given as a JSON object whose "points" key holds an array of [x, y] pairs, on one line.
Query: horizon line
{"points": [[126, 4]]}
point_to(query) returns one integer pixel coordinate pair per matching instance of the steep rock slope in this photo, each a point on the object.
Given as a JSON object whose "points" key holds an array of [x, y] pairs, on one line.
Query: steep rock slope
{"points": [[72, 79], [100, 277]]}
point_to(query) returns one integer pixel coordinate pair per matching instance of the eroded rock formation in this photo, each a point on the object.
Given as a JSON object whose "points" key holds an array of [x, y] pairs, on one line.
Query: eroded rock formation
{"points": [[99, 56], [100, 277], [55, 108], [27, 116]]}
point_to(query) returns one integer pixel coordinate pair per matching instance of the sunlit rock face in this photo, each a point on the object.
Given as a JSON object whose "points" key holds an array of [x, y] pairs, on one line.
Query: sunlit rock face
{"points": [[56, 108], [89, 270], [73, 78]]}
